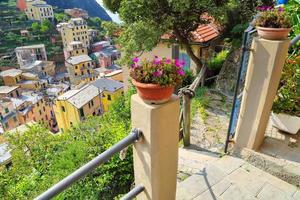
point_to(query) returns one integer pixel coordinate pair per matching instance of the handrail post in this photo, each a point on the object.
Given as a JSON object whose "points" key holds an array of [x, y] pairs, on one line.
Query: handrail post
{"points": [[186, 106], [155, 156]]}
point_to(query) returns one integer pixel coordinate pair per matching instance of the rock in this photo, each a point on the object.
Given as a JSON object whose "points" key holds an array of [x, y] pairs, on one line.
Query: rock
{"points": [[226, 80]]}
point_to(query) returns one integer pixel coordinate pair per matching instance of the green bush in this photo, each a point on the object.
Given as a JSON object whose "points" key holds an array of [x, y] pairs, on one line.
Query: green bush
{"points": [[49, 158], [216, 62], [287, 99]]}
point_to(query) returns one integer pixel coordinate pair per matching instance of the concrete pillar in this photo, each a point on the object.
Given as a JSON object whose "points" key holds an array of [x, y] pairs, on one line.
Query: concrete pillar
{"points": [[263, 75], [156, 155]]}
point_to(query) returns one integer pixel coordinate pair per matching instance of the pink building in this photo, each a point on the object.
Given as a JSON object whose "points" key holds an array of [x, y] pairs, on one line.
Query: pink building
{"points": [[98, 46]]}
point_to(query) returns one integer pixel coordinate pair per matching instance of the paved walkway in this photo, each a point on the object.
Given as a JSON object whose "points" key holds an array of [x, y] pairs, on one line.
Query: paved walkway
{"points": [[205, 176]]}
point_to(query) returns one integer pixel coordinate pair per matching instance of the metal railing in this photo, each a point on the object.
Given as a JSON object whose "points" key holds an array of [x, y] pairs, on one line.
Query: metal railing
{"points": [[59, 187], [187, 94]]}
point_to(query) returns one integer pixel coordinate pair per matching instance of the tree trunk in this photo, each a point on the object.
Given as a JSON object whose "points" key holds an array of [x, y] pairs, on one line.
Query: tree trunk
{"points": [[186, 44]]}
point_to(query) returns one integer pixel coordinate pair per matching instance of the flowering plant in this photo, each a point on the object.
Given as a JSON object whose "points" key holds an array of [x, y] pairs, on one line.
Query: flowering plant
{"points": [[164, 72], [273, 18]]}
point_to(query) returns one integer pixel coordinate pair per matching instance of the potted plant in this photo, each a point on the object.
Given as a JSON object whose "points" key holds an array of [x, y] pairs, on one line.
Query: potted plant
{"points": [[286, 107], [273, 23], [156, 79]]}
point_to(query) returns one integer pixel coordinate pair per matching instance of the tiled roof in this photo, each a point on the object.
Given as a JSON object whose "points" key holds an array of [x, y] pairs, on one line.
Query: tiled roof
{"points": [[204, 33], [7, 89], [84, 95], [109, 85], [11, 72], [80, 97], [74, 60]]}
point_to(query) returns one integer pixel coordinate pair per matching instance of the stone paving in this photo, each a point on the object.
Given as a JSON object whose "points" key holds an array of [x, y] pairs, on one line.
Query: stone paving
{"points": [[207, 176]]}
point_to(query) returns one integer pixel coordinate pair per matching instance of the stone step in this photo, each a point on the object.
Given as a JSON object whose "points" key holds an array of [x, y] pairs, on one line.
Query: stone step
{"points": [[282, 169], [229, 177]]}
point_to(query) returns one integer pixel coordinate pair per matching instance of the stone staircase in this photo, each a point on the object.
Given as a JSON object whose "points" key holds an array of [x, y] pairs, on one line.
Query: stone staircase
{"points": [[209, 176]]}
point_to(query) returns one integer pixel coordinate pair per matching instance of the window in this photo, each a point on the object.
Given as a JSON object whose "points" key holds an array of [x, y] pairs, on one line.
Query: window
{"points": [[92, 102], [75, 74], [63, 109], [37, 104], [40, 112], [82, 51], [71, 123], [103, 95], [77, 52], [6, 110], [81, 112], [11, 95], [76, 67], [44, 108], [109, 97]]}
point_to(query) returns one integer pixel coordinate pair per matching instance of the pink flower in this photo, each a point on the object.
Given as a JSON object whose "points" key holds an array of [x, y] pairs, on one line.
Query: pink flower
{"points": [[177, 63], [181, 72], [135, 60], [157, 61], [182, 62], [280, 9], [168, 61], [157, 73]]}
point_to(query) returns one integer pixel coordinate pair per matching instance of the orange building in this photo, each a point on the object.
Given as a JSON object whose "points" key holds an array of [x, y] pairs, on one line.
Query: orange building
{"points": [[21, 5]]}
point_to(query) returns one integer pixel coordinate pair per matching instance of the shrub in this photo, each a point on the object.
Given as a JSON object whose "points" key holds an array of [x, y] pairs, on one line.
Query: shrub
{"points": [[165, 72], [216, 62], [273, 18], [287, 99]]}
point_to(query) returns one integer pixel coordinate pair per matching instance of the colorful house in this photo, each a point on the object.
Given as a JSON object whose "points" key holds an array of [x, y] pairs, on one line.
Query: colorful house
{"points": [[11, 77], [111, 90], [38, 10], [75, 105], [80, 69], [74, 30], [8, 115]]}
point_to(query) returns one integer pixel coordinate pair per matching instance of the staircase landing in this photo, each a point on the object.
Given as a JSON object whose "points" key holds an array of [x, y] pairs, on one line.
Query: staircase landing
{"points": [[207, 176]]}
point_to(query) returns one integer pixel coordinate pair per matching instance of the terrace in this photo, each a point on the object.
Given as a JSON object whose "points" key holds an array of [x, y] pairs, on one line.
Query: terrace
{"points": [[164, 171]]}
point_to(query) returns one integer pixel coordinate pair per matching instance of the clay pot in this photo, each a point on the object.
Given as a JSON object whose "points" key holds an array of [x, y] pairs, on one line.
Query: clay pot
{"points": [[153, 93], [273, 33]]}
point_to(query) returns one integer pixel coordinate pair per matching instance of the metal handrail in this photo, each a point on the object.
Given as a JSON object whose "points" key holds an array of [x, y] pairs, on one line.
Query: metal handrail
{"points": [[133, 193], [90, 166]]}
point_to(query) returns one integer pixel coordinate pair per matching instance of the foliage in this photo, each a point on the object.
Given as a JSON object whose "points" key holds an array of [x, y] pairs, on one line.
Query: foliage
{"points": [[61, 17], [36, 27], [200, 102], [288, 95], [274, 18], [145, 21], [188, 78], [41, 159], [111, 28], [94, 22], [238, 30], [165, 72], [293, 10], [47, 26], [216, 62]]}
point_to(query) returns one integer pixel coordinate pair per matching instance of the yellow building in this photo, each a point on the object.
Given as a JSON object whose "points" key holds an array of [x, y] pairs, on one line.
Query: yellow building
{"points": [[111, 90], [75, 105], [74, 30], [38, 10], [11, 77], [80, 69]]}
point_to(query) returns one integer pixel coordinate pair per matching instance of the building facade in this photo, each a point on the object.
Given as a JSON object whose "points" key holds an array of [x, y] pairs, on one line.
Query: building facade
{"points": [[39, 10], [74, 30], [29, 54], [75, 105], [111, 91], [80, 69]]}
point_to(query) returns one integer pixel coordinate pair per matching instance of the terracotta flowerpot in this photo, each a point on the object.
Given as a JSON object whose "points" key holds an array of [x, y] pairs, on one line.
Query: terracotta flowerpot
{"points": [[153, 93], [273, 33]]}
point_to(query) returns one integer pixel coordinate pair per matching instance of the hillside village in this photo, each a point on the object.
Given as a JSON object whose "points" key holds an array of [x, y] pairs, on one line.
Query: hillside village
{"points": [[60, 95]]}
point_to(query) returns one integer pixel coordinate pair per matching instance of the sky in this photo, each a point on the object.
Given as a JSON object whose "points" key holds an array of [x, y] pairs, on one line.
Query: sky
{"points": [[114, 17]]}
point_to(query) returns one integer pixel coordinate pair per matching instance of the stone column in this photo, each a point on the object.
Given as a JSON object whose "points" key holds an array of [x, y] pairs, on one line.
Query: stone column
{"points": [[156, 155], [263, 75]]}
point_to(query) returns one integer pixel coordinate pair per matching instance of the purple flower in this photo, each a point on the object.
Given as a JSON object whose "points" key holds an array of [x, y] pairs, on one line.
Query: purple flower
{"points": [[181, 72], [155, 56], [177, 63], [157, 73], [168, 61], [280, 9], [157, 61], [135, 60]]}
